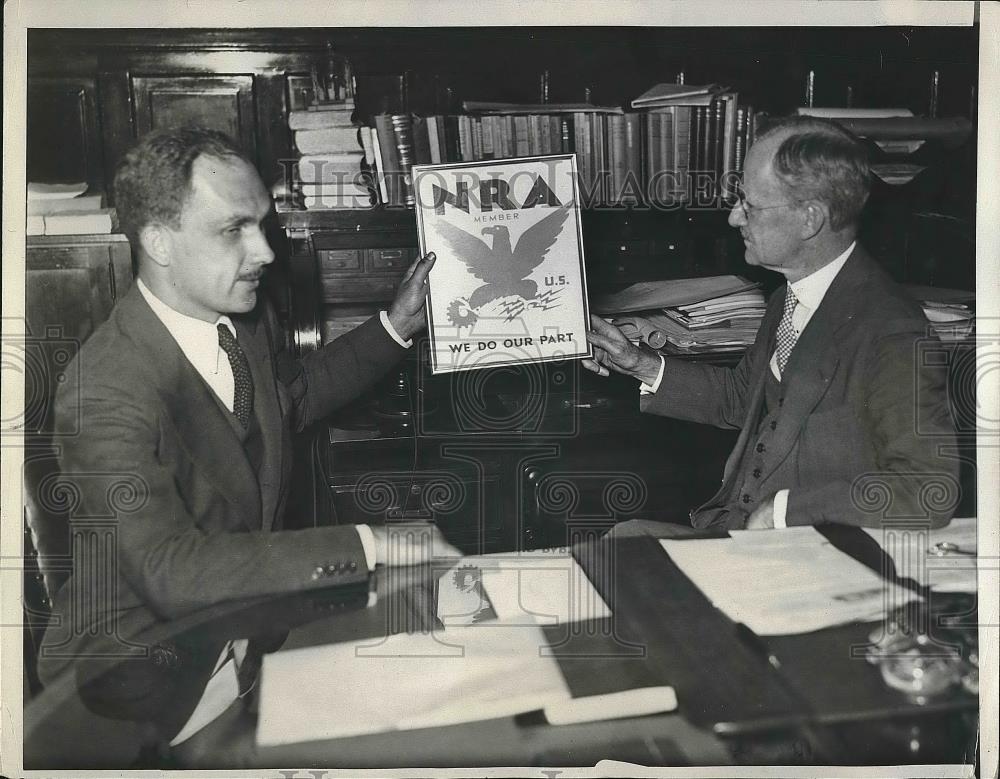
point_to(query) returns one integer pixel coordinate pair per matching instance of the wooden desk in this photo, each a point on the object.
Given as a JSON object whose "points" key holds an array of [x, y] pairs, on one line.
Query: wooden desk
{"points": [[734, 706]]}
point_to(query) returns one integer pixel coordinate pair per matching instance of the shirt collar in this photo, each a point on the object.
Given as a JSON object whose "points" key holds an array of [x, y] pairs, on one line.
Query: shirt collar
{"points": [[810, 290], [198, 339]]}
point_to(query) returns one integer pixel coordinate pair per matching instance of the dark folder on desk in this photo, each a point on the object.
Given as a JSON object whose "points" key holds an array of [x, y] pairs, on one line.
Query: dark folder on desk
{"points": [[722, 682]]}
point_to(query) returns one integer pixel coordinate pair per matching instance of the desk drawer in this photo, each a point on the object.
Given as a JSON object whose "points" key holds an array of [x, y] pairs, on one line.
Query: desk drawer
{"points": [[390, 259], [338, 259]]}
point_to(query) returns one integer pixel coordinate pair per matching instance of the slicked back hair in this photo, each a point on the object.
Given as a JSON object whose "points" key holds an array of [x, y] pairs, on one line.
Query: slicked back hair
{"points": [[820, 160], [153, 181]]}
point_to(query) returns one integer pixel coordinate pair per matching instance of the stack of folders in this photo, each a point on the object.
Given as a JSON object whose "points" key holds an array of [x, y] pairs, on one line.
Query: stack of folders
{"points": [[67, 209], [330, 168], [726, 323], [714, 315], [950, 312]]}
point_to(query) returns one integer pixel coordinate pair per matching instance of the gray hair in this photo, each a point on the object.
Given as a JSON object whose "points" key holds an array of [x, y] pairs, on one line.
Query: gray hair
{"points": [[820, 160]]}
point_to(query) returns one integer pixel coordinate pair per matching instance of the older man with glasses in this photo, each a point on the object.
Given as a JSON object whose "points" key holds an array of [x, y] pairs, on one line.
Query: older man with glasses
{"points": [[832, 400]]}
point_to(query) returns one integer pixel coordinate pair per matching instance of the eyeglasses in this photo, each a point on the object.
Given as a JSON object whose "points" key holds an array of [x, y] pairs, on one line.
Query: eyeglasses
{"points": [[749, 209]]}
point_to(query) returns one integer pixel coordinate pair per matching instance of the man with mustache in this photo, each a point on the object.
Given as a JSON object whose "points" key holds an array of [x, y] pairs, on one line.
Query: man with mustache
{"points": [[188, 396], [832, 399]]}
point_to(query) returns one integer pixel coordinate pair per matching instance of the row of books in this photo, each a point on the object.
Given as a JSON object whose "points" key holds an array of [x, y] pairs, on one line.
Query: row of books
{"points": [[65, 209], [670, 154]]}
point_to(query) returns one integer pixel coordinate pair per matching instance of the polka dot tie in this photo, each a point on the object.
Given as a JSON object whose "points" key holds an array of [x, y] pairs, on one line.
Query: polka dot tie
{"points": [[786, 333], [242, 381]]}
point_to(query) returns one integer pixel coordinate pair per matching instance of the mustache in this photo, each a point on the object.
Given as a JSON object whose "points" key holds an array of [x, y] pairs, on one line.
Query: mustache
{"points": [[254, 276]]}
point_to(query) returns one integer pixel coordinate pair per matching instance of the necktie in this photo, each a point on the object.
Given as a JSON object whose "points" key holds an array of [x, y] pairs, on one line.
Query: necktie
{"points": [[243, 389], [786, 333]]}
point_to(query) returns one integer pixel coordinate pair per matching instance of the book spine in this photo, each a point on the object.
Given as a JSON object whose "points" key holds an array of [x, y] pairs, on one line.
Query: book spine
{"points": [[682, 150], [389, 184], [403, 129], [620, 157], [666, 138], [555, 134], [633, 152], [464, 152], [477, 138], [421, 141], [652, 147], [521, 136], [729, 150], [695, 145], [451, 139], [544, 135], [330, 139], [487, 149], [566, 133], [717, 126], [432, 140], [600, 165]]}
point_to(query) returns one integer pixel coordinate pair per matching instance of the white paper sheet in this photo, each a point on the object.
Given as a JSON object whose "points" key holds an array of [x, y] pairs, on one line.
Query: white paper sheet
{"points": [[538, 587], [407, 681], [912, 553], [783, 582]]}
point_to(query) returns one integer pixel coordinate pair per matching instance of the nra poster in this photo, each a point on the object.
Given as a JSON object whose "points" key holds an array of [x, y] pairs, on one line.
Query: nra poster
{"points": [[508, 286]]}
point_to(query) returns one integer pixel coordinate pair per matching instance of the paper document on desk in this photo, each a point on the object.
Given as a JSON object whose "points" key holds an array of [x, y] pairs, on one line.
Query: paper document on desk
{"points": [[544, 587], [943, 559], [780, 582], [406, 681]]}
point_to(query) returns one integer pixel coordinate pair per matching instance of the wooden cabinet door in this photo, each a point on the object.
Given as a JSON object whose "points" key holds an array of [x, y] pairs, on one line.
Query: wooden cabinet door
{"points": [[72, 283], [224, 103], [63, 132]]}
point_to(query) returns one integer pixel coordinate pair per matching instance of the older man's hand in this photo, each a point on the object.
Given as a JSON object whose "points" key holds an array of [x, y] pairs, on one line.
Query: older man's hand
{"points": [[614, 352], [407, 311]]}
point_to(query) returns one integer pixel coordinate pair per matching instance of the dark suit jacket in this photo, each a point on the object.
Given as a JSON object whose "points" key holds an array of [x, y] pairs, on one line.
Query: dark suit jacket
{"points": [[158, 461], [862, 419]]}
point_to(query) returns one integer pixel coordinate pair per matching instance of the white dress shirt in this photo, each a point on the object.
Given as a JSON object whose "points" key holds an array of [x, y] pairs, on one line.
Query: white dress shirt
{"points": [[809, 292], [199, 342]]}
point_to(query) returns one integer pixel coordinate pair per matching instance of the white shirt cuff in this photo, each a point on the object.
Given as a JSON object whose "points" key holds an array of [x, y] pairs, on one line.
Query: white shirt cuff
{"points": [[780, 508], [649, 389], [368, 544], [384, 317]]}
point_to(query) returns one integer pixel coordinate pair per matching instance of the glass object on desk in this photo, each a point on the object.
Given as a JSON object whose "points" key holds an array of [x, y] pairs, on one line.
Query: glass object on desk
{"points": [[921, 666]]}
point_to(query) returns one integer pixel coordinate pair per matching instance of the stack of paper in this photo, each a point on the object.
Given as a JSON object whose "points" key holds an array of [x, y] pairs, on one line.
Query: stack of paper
{"points": [[64, 209], [650, 295], [782, 582], [711, 315], [951, 312], [330, 169], [406, 681], [674, 94], [727, 322]]}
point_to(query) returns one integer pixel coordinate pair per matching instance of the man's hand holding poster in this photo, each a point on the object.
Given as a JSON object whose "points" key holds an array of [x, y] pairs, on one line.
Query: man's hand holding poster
{"points": [[508, 286]]}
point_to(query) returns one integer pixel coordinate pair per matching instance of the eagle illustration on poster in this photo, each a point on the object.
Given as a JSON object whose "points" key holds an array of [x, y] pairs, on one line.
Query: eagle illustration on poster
{"points": [[503, 268], [509, 285]]}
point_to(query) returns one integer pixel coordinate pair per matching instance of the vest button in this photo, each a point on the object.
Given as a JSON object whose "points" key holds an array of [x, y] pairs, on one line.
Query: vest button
{"points": [[781, 401], [760, 447], [746, 498], [774, 424], [756, 473]]}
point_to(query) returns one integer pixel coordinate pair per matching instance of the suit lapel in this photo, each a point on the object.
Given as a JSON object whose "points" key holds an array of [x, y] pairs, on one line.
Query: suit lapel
{"points": [[814, 360], [253, 338], [201, 424]]}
